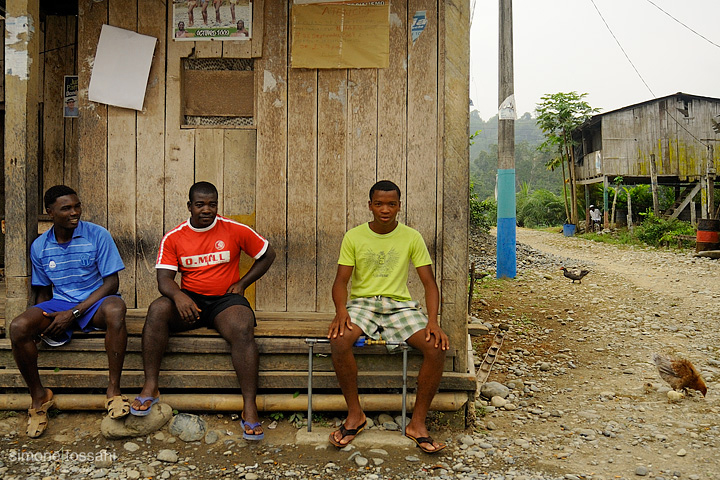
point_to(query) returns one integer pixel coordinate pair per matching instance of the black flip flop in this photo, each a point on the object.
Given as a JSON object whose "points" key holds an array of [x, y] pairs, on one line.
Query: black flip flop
{"points": [[420, 440], [346, 433]]}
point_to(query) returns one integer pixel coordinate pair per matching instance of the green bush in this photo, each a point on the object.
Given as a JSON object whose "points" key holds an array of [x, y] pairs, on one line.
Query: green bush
{"points": [[539, 208], [655, 230], [483, 214]]}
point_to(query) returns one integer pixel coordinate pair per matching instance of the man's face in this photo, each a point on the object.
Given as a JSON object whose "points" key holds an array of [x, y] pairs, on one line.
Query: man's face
{"points": [[203, 209], [181, 26], [65, 212], [240, 25], [384, 206]]}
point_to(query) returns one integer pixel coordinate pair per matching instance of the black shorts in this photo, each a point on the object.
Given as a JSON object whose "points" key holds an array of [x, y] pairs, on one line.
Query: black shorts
{"points": [[212, 305]]}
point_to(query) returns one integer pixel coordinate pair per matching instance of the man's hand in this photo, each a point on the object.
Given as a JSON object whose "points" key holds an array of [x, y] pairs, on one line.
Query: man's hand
{"points": [[61, 321], [434, 330], [339, 324], [236, 288], [187, 309]]}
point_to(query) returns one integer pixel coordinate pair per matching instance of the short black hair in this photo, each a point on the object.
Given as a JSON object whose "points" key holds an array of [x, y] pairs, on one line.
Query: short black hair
{"points": [[55, 192], [205, 188], [384, 186]]}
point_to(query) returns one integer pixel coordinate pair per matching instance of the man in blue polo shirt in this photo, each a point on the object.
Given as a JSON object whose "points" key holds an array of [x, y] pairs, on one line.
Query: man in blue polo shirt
{"points": [[75, 269]]}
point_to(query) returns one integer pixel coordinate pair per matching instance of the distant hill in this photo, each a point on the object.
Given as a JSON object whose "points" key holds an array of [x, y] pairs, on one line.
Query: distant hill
{"points": [[529, 162], [526, 129]]}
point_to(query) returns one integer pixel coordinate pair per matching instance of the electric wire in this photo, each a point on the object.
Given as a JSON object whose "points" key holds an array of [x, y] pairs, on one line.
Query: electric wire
{"points": [[641, 77], [681, 23], [621, 48]]}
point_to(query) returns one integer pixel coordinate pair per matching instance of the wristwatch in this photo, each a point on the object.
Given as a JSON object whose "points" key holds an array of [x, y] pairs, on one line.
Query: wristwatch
{"points": [[76, 313]]}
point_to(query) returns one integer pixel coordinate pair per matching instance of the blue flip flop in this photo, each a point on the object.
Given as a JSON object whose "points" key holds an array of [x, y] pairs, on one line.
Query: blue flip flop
{"points": [[142, 400], [253, 426]]}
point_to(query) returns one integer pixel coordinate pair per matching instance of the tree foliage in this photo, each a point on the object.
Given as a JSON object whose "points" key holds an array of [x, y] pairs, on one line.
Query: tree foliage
{"points": [[558, 114]]}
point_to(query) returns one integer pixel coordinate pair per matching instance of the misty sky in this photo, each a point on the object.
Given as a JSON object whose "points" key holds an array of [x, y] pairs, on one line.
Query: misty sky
{"points": [[563, 46]]}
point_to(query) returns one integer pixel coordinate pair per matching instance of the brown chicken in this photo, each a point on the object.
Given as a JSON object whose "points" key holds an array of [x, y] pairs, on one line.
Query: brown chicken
{"points": [[679, 373], [574, 275]]}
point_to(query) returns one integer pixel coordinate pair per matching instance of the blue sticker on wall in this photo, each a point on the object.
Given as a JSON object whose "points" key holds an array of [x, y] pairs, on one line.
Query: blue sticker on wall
{"points": [[418, 24]]}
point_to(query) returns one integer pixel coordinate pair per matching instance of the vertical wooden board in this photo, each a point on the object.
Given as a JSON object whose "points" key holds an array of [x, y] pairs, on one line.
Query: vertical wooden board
{"points": [[122, 153], [332, 171], [271, 73], [422, 138], [362, 142], [392, 103], [53, 151], [455, 75], [92, 119], [258, 28], [209, 159], [150, 158], [2, 60], [302, 184], [239, 171], [70, 168], [440, 162], [239, 178], [179, 143], [21, 160]]}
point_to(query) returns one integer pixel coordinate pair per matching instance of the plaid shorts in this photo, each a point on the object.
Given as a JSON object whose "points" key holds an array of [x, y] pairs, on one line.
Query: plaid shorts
{"points": [[387, 319]]}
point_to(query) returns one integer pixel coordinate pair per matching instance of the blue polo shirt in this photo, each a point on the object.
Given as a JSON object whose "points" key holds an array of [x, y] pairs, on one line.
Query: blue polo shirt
{"points": [[74, 269]]}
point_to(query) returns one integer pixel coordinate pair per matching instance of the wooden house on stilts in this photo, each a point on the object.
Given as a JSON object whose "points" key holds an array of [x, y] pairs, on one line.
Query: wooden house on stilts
{"points": [[293, 152]]}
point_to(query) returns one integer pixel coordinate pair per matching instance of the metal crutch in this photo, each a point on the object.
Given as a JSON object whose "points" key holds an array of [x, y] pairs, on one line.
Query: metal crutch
{"points": [[361, 342]]}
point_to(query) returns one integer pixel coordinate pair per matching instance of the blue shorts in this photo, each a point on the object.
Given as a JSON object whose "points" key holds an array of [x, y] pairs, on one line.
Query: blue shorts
{"points": [[82, 323]]}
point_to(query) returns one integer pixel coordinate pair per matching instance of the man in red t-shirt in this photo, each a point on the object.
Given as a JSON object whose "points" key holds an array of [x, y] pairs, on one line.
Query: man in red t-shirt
{"points": [[206, 251]]}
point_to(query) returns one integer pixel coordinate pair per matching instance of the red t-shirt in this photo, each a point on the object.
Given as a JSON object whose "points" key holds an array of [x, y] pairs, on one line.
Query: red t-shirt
{"points": [[208, 258]]}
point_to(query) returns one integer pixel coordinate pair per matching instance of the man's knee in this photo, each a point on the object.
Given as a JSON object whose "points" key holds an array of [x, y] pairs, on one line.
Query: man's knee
{"points": [[160, 311], [342, 344], [23, 327], [432, 354], [236, 323], [113, 309]]}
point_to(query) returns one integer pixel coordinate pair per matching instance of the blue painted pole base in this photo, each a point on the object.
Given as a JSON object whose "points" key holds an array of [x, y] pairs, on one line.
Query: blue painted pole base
{"points": [[506, 253]]}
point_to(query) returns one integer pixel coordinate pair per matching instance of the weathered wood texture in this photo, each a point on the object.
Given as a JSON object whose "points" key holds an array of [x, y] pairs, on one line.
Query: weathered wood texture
{"points": [[21, 153], [93, 117], [150, 161], [300, 173], [672, 128], [455, 174]]}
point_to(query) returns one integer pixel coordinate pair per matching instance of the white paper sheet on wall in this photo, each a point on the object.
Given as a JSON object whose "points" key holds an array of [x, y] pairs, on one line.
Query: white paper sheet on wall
{"points": [[121, 68]]}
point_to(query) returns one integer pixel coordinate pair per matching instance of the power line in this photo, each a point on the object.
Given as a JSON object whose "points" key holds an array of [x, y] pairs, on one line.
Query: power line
{"points": [[621, 48], [681, 23], [641, 77]]}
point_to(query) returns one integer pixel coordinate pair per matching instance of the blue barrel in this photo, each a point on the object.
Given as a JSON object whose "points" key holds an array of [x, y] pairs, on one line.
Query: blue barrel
{"points": [[569, 229]]}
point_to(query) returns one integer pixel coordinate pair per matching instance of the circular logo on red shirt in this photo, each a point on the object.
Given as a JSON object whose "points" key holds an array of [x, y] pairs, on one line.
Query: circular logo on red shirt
{"points": [[219, 245]]}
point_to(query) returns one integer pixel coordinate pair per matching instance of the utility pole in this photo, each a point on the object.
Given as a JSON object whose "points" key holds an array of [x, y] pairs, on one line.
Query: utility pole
{"points": [[506, 218]]}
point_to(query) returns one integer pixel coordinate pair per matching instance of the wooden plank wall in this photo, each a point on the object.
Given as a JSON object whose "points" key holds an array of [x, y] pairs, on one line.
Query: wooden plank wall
{"points": [[660, 128], [302, 174], [59, 134]]}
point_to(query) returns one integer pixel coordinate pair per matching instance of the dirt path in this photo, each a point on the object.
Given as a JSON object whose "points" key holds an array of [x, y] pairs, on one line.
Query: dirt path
{"points": [[591, 403], [663, 272]]}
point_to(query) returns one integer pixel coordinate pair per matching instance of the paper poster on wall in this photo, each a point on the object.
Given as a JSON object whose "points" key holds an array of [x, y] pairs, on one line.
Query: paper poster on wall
{"points": [[121, 68], [418, 24], [70, 92], [341, 35], [198, 20]]}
